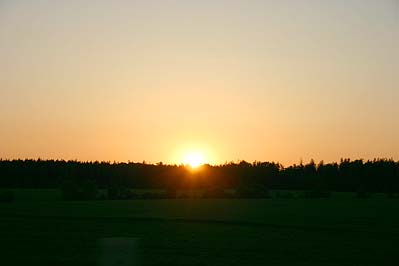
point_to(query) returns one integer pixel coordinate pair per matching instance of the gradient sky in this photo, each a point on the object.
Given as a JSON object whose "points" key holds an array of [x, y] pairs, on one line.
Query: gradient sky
{"points": [[152, 80]]}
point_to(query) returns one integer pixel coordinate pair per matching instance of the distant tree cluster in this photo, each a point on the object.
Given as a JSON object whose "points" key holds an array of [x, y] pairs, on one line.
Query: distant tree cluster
{"points": [[379, 175]]}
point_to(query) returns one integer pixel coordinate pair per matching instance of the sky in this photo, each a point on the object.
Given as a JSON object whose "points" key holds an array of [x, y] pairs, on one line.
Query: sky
{"points": [[284, 81]]}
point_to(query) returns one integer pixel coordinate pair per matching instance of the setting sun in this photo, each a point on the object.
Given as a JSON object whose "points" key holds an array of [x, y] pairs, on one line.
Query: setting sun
{"points": [[194, 160]]}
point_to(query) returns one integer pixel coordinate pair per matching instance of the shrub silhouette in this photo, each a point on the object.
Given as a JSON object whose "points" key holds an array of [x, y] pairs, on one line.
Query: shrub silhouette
{"points": [[153, 195], [285, 195], [73, 191], [171, 193], [252, 192], [214, 193], [121, 193], [316, 194], [69, 190], [183, 196], [6, 197], [391, 195], [363, 194], [89, 191]]}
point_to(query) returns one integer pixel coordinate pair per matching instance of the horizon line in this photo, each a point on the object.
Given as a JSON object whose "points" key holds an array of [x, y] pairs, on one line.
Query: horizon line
{"points": [[161, 163]]}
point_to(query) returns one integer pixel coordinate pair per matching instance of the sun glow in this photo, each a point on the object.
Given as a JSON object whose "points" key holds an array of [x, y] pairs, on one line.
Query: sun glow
{"points": [[194, 160]]}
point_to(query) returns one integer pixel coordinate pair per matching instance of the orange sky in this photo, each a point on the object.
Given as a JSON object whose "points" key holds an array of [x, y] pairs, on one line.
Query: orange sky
{"points": [[156, 80]]}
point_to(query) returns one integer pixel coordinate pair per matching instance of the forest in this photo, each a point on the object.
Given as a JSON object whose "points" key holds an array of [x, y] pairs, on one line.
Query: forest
{"points": [[378, 175]]}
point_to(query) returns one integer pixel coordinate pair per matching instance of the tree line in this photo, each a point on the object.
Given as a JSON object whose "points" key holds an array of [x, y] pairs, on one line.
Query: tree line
{"points": [[378, 175]]}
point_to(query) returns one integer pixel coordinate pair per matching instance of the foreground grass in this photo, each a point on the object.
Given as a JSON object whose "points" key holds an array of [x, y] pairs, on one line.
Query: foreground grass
{"points": [[337, 231]]}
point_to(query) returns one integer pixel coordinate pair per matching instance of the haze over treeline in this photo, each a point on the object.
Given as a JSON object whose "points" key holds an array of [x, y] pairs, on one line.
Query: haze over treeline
{"points": [[378, 175]]}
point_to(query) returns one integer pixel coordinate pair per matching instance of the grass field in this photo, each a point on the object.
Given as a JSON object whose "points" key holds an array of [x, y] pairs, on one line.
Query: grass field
{"points": [[335, 231]]}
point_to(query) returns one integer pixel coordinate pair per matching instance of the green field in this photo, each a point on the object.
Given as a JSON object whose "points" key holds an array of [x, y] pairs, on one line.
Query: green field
{"points": [[335, 231]]}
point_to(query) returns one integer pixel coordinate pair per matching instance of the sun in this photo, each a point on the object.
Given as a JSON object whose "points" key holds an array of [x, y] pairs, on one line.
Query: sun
{"points": [[194, 159]]}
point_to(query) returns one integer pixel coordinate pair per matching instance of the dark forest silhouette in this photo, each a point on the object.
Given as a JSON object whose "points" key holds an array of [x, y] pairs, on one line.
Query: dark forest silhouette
{"points": [[247, 179]]}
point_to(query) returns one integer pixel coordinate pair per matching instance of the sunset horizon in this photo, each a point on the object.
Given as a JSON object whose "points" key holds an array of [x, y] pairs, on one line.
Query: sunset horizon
{"points": [[199, 132], [266, 80]]}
